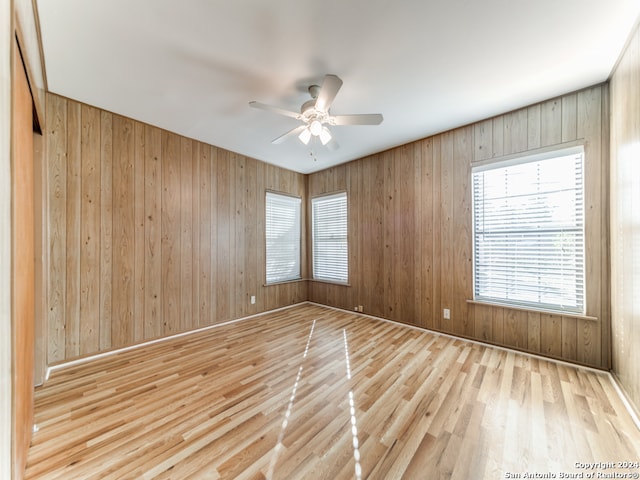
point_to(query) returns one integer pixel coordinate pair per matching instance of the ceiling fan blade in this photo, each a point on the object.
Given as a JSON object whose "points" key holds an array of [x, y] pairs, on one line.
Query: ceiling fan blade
{"points": [[328, 91], [290, 133], [360, 119], [278, 110]]}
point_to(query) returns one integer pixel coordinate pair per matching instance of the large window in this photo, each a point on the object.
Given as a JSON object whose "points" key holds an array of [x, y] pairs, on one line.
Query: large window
{"points": [[529, 232], [282, 228], [329, 230]]}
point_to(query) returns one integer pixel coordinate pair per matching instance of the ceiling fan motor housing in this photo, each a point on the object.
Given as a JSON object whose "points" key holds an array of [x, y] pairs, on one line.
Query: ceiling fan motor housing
{"points": [[314, 91], [312, 116], [308, 107]]}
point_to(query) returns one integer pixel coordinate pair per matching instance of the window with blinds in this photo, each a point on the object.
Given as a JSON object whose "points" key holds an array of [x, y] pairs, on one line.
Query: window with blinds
{"points": [[329, 238], [529, 232], [282, 229]]}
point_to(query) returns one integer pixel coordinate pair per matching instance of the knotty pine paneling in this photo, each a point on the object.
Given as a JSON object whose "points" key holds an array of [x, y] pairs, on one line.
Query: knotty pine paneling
{"points": [[411, 245], [151, 233], [625, 219]]}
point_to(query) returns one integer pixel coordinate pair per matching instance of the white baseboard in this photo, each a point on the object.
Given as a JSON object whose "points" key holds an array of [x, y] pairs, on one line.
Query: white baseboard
{"points": [[635, 415]]}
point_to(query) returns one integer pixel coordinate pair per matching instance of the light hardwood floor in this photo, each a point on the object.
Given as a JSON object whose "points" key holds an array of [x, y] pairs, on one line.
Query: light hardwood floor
{"points": [[311, 392]]}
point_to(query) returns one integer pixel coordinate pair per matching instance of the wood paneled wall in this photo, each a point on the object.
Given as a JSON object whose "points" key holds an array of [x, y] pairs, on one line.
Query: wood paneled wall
{"points": [[151, 233], [410, 229], [625, 219]]}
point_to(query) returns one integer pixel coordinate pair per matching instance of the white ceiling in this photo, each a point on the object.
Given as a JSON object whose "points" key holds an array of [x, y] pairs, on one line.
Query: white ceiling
{"points": [[427, 65]]}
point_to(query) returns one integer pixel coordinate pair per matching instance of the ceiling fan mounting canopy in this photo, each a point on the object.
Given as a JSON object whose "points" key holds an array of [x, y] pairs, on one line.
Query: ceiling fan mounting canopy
{"points": [[315, 115]]}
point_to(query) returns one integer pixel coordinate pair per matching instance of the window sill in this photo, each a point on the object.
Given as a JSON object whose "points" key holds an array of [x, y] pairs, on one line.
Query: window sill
{"points": [[284, 282], [531, 309], [330, 282], [297, 280]]}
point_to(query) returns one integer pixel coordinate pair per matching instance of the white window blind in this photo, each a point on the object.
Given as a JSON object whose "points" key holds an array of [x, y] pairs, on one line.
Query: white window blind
{"points": [[529, 233], [282, 228], [329, 232]]}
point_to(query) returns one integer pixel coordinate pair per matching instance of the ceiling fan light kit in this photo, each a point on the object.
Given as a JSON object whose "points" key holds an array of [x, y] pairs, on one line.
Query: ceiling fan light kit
{"points": [[305, 136], [325, 135], [315, 114], [315, 127]]}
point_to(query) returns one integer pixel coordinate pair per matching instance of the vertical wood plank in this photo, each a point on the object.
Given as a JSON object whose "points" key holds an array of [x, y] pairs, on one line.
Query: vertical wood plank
{"points": [[250, 234], [186, 233], [569, 338], [551, 122], [483, 322], [426, 225], [123, 232], [389, 234], [106, 228], [483, 140], [589, 125], [533, 325], [74, 195], [235, 277], [353, 237], [57, 148], [139, 233], [261, 261], [437, 237], [223, 235], [497, 319], [533, 127], [90, 231], [373, 280], [404, 228], [462, 241], [515, 131], [171, 278], [589, 104], [569, 118], [240, 298], [498, 136], [153, 233], [515, 328], [205, 236], [196, 232], [551, 334], [589, 344], [446, 199], [213, 164]]}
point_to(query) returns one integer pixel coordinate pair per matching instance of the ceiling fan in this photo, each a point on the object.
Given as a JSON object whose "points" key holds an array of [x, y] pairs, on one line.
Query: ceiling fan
{"points": [[316, 116]]}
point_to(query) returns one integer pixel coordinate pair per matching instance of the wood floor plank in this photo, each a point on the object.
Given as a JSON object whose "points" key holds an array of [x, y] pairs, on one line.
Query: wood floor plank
{"points": [[310, 392]]}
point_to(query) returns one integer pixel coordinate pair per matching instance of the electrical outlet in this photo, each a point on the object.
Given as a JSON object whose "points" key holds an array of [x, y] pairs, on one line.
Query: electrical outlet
{"points": [[360, 308], [253, 299], [447, 314]]}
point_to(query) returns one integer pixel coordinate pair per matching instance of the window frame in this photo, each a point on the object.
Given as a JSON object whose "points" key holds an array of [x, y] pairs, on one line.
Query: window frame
{"points": [[298, 201], [525, 158], [342, 280]]}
